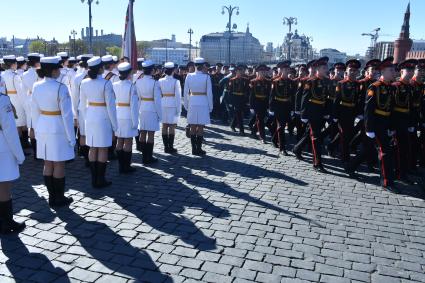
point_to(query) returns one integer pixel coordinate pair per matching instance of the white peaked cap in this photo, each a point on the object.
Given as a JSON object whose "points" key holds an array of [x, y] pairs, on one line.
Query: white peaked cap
{"points": [[33, 55], [147, 63], [169, 65], [140, 60], [96, 60], [107, 58], [20, 59], [199, 60], [115, 58], [50, 60], [125, 66], [9, 57], [62, 54]]}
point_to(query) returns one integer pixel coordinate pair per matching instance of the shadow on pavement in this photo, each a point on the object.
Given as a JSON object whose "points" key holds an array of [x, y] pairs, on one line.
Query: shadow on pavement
{"points": [[26, 266]]}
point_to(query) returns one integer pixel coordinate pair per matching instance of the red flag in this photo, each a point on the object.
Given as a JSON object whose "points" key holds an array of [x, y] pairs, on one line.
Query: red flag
{"points": [[129, 46]]}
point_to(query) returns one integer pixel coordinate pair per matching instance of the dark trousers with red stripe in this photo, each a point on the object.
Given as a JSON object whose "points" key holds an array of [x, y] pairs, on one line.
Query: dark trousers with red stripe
{"points": [[282, 120], [346, 130], [422, 146], [316, 126], [402, 152], [238, 118], [260, 115], [385, 156]]}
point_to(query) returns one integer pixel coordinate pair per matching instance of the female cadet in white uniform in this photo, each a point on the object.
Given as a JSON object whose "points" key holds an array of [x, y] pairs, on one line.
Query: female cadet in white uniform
{"points": [[29, 78], [98, 100], [14, 91], [11, 155], [127, 115], [171, 106], [51, 113], [77, 106], [198, 101], [150, 110]]}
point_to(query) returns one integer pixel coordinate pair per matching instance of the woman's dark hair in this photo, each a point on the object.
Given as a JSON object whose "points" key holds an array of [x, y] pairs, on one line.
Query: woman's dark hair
{"points": [[107, 65], [169, 72], [94, 71], [31, 62], [124, 74], [8, 65], [46, 70], [21, 63], [148, 70], [83, 64], [199, 67]]}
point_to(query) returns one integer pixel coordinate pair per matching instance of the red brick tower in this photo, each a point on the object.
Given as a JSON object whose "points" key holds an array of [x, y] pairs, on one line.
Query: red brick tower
{"points": [[403, 44]]}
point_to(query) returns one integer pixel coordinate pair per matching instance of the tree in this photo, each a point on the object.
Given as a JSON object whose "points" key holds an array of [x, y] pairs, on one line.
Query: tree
{"points": [[141, 48], [114, 50], [37, 46]]}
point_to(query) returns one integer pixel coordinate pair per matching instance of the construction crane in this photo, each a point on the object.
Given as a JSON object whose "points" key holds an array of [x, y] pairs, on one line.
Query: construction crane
{"points": [[373, 36]]}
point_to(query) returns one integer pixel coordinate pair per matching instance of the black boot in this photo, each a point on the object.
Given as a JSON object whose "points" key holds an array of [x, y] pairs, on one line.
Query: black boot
{"points": [[127, 162], [60, 198], [171, 144], [194, 145], [48, 182], [100, 175], [199, 140], [144, 152], [166, 143], [7, 224], [25, 142], [111, 151], [86, 150], [34, 148], [93, 171], [149, 151], [121, 163]]}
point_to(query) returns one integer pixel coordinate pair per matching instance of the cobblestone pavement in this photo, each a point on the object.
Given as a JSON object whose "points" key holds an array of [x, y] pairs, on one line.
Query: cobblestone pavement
{"points": [[239, 214]]}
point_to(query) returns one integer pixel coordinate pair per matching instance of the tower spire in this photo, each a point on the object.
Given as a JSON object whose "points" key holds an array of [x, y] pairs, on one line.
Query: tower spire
{"points": [[405, 28]]}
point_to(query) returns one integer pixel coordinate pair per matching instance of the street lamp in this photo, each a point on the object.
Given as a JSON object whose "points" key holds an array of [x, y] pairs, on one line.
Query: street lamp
{"points": [[89, 2], [166, 50], [309, 40], [196, 49], [73, 33], [230, 9], [289, 22], [190, 32]]}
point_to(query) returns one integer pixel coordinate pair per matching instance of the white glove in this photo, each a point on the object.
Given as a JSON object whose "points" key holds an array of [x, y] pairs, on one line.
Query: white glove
{"points": [[297, 112], [370, 135], [271, 113], [360, 117], [252, 111], [326, 117], [292, 113], [305, 121], [411, 129], [391, 133], [335, 120], [72, 143], [20, 162]]}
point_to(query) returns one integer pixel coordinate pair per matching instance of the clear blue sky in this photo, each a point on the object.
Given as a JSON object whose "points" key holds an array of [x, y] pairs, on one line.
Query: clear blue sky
{"points": [[331, 23]]}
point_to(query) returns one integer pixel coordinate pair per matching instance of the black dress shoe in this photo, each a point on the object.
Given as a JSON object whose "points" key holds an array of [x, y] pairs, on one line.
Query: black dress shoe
{"points": [[283, 152], [298, 155], [391, 189], [320, 169]]}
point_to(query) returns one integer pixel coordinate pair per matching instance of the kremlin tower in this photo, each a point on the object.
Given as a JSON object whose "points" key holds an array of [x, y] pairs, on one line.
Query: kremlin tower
{"points": [[403, 44]]}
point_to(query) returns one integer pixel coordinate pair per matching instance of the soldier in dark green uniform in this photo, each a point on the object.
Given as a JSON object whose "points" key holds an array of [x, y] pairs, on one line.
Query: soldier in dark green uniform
{"points": [[379, 106], [345, 110], [402, 118], [259, 99], [417, 113], [313, 108], [280, 102], [238, 92]]}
